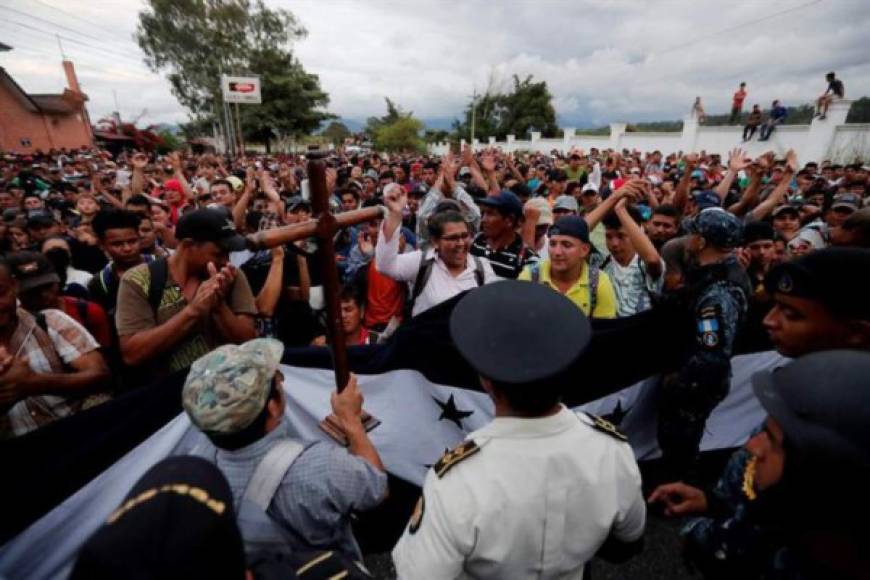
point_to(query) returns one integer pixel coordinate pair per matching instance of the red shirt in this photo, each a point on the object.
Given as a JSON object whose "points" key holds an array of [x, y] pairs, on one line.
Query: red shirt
{"points": [[739, 97], [385, 298], [90, 315]]}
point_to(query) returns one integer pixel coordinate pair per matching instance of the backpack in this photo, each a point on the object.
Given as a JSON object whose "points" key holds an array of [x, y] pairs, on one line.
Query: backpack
{"points": [[594, 275], [159, 272], [424, 272]]}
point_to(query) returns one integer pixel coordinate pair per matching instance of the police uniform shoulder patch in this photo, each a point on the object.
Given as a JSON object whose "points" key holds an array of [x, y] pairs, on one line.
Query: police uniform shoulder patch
{"points": [[606, 426], [708, 326], [417, 516], [454, 457]]}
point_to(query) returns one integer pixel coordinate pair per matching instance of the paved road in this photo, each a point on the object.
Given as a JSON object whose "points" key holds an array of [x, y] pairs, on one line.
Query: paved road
{"points": [[660, 560]]}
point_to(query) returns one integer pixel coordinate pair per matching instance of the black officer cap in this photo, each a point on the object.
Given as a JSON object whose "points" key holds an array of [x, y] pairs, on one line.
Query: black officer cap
{"points": [[177, 522], [823, 405], [518, 332], [839, 278]]}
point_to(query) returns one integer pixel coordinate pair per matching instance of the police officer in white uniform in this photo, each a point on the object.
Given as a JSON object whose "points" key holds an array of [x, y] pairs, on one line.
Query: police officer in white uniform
{"points": [[540, 490]]}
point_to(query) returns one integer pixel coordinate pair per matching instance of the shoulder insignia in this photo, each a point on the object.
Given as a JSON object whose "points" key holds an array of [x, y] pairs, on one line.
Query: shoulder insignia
{"points": [[455, 456], [607, 427], [417, 516]]}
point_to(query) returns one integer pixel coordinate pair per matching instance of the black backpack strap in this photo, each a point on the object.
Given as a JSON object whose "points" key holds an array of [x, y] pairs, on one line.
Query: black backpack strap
{"points": [[41, 321], [424, 272], [594, 274], [159, 272], [478, 271]]}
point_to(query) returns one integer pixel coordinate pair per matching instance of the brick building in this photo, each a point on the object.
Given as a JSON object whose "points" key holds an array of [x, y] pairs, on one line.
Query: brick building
{"points": [[41, 122]]}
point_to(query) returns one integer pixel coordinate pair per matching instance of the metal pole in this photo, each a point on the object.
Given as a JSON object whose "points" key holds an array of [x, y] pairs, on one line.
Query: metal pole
{"points": [[239, 131], [473, 115]]}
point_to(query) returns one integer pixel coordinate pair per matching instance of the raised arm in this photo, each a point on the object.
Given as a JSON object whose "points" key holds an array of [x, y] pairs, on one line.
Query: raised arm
{"points": [[633, 188], [178, 172], [137, 181], [642, 244], [737, 161], [681, 194], [269, 295], [778, 194], [469, 161]]}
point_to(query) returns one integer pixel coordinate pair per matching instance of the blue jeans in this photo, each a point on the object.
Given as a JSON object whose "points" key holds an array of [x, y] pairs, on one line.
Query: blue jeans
{"points": [[767, 129]]}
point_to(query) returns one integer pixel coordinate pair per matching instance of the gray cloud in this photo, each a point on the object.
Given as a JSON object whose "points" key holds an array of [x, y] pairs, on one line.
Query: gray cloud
{"points": [[614, 61]]}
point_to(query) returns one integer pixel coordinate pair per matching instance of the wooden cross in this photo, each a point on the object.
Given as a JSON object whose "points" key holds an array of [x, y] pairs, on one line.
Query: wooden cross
{"points": [[324, 226]]}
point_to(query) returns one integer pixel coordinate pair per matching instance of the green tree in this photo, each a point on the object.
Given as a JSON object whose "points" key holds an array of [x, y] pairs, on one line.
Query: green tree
{"points": [[527, 107], [859, 112], [436, 135], [400, 135], [196, 41], [336, 132], [394, 113], [292, 99]]}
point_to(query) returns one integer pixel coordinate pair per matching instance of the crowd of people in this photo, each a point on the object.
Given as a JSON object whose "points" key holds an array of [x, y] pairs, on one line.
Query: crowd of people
{"points": [[755, 120], [120, 269]]}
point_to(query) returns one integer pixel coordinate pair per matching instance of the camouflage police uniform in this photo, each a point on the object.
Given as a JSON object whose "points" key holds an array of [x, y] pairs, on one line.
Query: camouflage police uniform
{"points": [[718, 296]]}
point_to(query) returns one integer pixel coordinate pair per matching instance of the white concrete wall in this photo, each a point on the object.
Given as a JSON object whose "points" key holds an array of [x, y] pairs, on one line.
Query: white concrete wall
{"points": [[828, 139]]}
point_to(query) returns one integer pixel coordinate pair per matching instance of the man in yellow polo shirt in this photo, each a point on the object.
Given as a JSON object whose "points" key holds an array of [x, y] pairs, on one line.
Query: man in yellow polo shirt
{"points": [[568, 272]]}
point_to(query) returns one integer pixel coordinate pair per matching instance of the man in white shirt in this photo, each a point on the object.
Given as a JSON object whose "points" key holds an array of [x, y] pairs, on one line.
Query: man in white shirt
{"points": [[540, 490], [444, 270]]}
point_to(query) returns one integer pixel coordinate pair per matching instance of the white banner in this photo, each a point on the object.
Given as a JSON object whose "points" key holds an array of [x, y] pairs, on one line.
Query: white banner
{"points": [[245, 90], [419, 421]]}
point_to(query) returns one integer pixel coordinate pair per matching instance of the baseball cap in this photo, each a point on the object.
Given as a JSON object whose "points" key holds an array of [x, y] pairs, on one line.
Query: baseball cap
{"points": [[546, 214], [485, 325], [505, 201], [837, 277], [557, 175], [177, 522], [846, 201], [571, 225], [297, 201], [756, 231], [32, 270], [717, 226], [210, 225], [829, 423], [40, 217], [567, 203], [227, 388], [785, 208], [236, 183], [706, 198], [589, 187]]}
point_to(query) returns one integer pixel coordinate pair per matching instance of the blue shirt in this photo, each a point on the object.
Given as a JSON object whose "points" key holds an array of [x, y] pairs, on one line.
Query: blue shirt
{"points": [[319, 492]]}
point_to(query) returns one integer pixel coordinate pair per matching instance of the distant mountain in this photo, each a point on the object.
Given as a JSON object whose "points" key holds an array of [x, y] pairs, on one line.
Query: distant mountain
{"points": [[357, 125]]}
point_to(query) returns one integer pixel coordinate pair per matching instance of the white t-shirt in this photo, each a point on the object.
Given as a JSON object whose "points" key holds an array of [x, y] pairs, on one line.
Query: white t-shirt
{"points": [[633, 285]]}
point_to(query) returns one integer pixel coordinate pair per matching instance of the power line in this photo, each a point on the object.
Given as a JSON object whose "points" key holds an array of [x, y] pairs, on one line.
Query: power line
{"points": [[80, 19], [101, 50], [736, 27], [79, 63], [61, 26]]}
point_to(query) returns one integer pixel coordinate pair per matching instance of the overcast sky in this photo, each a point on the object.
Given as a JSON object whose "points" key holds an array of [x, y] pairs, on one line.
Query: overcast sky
{"points": [[604, 61]]}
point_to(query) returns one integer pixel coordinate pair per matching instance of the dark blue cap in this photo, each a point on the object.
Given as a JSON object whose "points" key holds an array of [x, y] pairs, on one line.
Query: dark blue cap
{"points": [[506, 202], [717, 226], [706, 198], [571, 225], [822, 403], [518, 332], [838, 278]]}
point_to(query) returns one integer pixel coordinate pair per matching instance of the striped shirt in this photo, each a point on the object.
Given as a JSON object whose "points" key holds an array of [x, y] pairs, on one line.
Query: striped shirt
{"points": [[633, 285], [506, 262]]}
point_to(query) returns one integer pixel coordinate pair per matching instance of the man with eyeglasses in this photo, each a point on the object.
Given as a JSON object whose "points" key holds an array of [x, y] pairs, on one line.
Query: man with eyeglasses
{"points": [[444, 270]]}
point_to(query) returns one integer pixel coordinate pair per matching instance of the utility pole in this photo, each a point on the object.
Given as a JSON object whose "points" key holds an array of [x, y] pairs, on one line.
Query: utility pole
{"points": [[473, 114]]}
